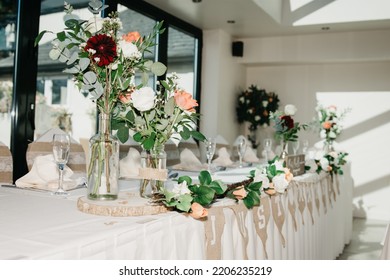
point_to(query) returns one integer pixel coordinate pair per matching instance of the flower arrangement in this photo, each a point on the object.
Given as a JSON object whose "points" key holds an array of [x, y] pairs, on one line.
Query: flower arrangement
{"points": [[329, 121], [254, 106], [330, 162], [157, 116], [274, 178], [186, 196], [285, 127], [102, 62]]}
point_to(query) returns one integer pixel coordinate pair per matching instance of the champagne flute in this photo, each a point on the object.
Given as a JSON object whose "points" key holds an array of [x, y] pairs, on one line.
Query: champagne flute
{"points": [[241, 148], [295, 146], [210, 150], [305, 146], [61, 149], [267, 148]]}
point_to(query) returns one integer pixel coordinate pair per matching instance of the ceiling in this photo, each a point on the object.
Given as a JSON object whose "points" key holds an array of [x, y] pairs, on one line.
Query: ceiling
{"points": [[265, 18]]}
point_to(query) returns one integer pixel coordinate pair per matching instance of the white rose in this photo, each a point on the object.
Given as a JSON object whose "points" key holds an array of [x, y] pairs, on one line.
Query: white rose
{"points": [[260, 177], [129, 50], [180, 189], [332, 135], [279, 165], [265, 103], [290, 110], [324, 164], [280, 183], [319, 154], [143, 99], [257, 118], [94, 24], [312, 166], [323, 133], [242, 99]]}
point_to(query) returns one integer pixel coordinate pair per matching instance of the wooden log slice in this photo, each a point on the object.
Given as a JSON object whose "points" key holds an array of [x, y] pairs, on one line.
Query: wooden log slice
{"points": [[127, 204]]}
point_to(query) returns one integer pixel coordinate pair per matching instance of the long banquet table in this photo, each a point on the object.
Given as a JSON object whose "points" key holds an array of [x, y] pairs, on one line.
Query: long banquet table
{"points": [[312, 220]]}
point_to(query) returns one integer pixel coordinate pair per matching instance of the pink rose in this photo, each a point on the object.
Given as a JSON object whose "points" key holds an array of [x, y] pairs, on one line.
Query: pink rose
{"points": [[132, 37], [198, 211], [327, 125], [240, 193], [185, 101], [125, 98], [288, 175]]}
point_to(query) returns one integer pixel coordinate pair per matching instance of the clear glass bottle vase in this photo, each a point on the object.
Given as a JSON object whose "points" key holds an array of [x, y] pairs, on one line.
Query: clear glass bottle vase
{"points": [[103, 169], [153, 171], [284, 152]]}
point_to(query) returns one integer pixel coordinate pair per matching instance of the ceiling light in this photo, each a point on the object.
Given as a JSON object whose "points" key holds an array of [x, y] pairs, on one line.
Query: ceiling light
{"points": [[325, 28], [196, 1], [230, 21]]}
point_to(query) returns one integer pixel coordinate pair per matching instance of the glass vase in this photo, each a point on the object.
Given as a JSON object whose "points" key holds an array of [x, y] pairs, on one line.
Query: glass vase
{"points": [[153, 172], [284, 152], [328, 146], [103, 169]]}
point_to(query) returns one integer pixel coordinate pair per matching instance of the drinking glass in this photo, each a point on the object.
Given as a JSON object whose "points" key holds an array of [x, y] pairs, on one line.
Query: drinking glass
{"points": [[267, 147], [61, 149], [241, 148], [295, 146], [210, 150], [305, 147]]}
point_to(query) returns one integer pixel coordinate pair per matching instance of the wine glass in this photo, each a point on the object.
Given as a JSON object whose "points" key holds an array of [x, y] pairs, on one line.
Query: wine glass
{"points": [[241, 148], [61, 149], [305, 145], [295, 146], [267, 147], [210, 150]]}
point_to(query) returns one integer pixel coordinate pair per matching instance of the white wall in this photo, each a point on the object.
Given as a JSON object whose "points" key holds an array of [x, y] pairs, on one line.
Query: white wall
{"points": [[222, 80], [341, 67], [297, 68]]}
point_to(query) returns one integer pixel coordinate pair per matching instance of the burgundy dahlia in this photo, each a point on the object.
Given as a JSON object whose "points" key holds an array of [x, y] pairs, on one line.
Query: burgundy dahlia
{"points": [[105, 49], [288, 122]]}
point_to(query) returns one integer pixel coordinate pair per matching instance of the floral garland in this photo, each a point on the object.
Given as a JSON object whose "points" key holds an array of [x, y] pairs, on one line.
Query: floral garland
{"points": [[285, 127], [254, 106], [329, 122], [331, 163], [192, 198], [274, 178]]}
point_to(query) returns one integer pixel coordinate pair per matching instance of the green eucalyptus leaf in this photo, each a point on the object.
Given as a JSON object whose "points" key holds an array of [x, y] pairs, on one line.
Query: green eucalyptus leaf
{"points": [[187, 179], [184, 202], [84, 63], [72, 70], [169, 106], [204, 195], [73, 57], [71, 23], [148, 64], [123, 134], [89, 78], [197, 135], [148, 143], [218, 186], [204, 177], [158, 68], [130, 116], [137, 137], [145, 78]]}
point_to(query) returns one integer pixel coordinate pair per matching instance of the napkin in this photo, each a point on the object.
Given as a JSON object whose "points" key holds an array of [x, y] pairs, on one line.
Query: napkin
{"points": [[188, 161], [129, 165], [223, 158], [250, 155], [44, 175]]}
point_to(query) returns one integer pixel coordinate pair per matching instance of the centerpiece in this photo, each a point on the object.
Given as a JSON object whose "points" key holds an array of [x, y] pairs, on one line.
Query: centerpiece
{"points": [[285, 128], [328, 122], [155, 117], [254, 106], [103, 64]]}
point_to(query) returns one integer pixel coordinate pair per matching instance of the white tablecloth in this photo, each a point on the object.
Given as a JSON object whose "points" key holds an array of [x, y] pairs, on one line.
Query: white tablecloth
{"points": [[36, 225]]}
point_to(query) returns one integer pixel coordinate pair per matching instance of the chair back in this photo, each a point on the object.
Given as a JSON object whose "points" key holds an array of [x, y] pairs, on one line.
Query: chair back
{"points": [[6, 164]]}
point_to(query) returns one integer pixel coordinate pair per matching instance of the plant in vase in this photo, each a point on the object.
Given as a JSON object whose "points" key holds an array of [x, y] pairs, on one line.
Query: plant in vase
{"points": [[285, 128], [154, 117], [254, 106], [103, 63], [328, 122], [329, 162]]}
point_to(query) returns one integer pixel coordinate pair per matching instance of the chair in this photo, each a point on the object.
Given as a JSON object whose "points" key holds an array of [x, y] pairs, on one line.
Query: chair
{"points": [[6, 164], [43, 146]]}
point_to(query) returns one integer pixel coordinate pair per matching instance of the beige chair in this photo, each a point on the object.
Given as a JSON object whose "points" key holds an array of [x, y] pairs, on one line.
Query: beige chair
{"points": [[6, 164], [43, 146]]}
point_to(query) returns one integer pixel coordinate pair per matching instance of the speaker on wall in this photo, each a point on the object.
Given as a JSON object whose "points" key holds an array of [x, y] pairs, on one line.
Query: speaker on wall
{"points": [[238, 48]]}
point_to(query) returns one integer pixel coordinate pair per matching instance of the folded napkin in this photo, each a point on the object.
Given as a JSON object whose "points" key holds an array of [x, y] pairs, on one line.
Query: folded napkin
{"points": [[250, 155], [44, 175], [223, 158], [188, 161], [130, 164]]}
